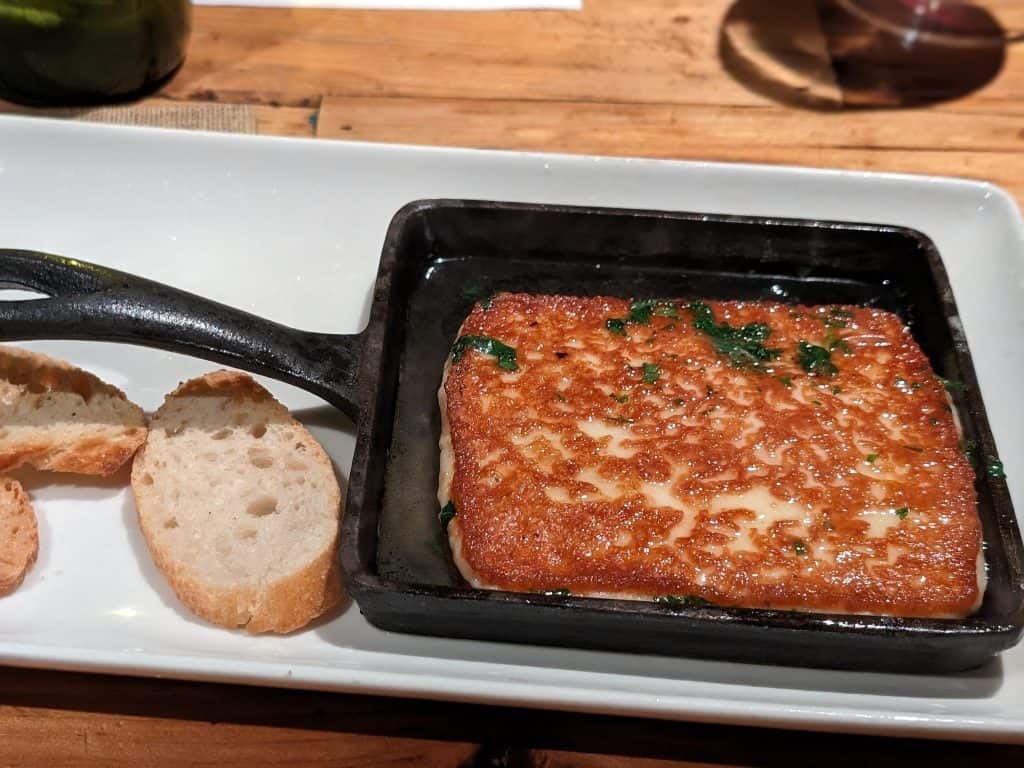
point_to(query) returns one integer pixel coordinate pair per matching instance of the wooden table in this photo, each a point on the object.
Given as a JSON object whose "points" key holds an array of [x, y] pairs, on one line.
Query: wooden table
{"points": [[624, 77]]}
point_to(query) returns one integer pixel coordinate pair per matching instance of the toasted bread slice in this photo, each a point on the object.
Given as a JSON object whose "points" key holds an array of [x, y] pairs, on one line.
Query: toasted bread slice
{"points": [[58, 417], [19, 535], [239, 506]]}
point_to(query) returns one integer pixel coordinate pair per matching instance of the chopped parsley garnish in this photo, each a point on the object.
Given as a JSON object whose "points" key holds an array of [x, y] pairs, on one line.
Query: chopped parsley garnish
{"points": [[558, 593], [787, 381], [652, 372], [902, 513], [619, 398], [799, 547], [951, 385], [447, 514], [686, 601], [640, 311], [743, 346], [914, 448], [476, 293], [871, 458], [836, 390], [837, 318], [504, 354], [831, 342], [816, 360], [995, 469], [816, 402], [616, 326]]}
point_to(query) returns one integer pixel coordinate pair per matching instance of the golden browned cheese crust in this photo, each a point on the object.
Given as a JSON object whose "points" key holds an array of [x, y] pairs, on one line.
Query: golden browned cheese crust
{"points": [[641, 461]]}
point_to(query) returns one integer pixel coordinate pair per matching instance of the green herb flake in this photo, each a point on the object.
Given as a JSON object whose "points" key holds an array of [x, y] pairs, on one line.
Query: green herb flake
{"points": [[743, 346], [816, 402], [832, 342], [504, 354], [686, 601], [995, 469], [837, 318], [619, 398], [799, 547], [902, 513], [447, 514], [871, 458], [787, 381], [827, 524], [616, 326], [816, 360], [914, 448], [558, 593], [476, 293], [836, 390], [640, 311], [951, 385], [667, 309], [652, 372]]}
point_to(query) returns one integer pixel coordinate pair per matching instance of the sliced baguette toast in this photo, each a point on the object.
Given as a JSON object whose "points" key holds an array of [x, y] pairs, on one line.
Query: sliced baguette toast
{"points": [[19, 535], [239, 506], [57, 417]]}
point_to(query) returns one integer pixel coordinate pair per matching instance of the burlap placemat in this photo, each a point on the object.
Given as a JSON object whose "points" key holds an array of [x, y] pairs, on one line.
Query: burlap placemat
{"points": [[224, 118]]}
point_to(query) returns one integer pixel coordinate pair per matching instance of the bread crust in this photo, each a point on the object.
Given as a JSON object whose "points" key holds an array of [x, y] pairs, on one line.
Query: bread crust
{"points": [[33, 385], [19, 535], [282, 605]]}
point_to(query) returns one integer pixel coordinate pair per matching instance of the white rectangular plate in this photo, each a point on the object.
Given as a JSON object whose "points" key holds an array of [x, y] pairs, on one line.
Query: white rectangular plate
{"points": [[292, 230]]}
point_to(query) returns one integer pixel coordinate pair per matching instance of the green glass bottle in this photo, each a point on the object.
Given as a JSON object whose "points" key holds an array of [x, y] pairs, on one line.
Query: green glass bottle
{"points": [[79, 52]]}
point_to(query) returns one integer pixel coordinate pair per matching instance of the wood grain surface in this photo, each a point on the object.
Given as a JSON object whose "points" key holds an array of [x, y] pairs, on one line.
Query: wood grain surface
{"points": [[623, 77]]}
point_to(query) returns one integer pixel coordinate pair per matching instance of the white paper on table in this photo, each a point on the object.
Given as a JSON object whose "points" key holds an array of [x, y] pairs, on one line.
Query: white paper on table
{"points": [[424, 5]]}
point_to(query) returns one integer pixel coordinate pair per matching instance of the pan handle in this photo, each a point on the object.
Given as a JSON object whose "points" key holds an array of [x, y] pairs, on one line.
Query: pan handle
{"points": [[90, 302]]}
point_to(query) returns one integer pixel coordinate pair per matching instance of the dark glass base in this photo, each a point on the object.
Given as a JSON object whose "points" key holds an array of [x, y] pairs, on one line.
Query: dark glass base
{"points": [[60, 98], [83, 53]]}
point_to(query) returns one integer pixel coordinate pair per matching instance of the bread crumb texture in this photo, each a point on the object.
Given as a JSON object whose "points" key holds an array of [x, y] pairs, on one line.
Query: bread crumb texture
{"points": [[239, 506], [54, 416]]}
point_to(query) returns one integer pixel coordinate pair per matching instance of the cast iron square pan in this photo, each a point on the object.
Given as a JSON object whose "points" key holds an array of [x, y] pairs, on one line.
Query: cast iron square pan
{"points": [[394, 554]]}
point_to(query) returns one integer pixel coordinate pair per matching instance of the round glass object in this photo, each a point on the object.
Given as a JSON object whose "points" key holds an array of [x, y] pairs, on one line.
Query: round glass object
{"points": [[80, 52]]}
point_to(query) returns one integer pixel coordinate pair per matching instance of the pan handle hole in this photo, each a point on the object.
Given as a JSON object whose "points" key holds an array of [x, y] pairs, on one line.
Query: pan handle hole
{"points": [[10, 292]]}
